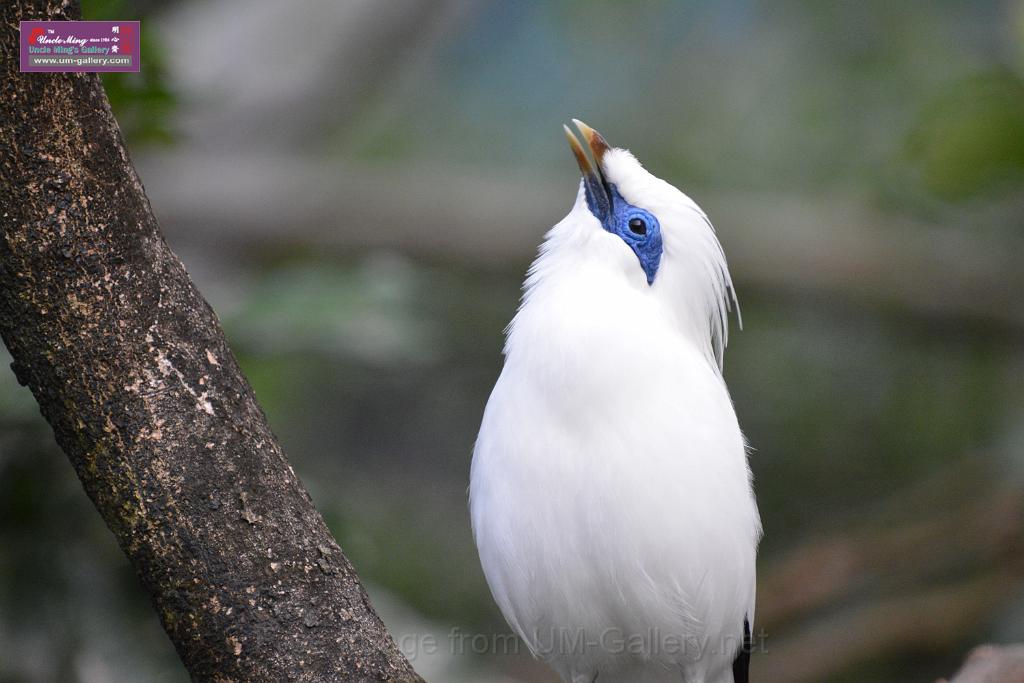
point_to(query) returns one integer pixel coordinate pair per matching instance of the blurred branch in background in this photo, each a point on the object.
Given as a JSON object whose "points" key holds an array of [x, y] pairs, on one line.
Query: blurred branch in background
{"points": [[333, 61], [828, 245], [920, 574]]}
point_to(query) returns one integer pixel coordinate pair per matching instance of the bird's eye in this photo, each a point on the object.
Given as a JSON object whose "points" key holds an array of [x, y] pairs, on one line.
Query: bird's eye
{"points": [[637, 226]]}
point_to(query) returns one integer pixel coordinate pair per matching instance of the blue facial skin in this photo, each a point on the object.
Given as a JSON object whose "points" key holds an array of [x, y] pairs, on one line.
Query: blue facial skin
{"points": [[638, 228]]}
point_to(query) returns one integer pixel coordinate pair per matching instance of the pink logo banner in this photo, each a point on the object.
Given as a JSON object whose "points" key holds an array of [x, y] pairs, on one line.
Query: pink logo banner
{"points": [[80, 46]]}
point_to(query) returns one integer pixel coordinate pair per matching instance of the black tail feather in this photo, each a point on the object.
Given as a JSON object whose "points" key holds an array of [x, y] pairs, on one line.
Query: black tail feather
{"points": [[741, 665]]}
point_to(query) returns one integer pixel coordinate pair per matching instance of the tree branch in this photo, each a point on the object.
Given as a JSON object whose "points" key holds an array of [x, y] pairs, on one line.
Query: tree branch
{"points": [[131, 369]]}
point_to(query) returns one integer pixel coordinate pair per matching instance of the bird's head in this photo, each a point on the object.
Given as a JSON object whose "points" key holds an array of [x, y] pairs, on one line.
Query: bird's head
{"points": [[645, 235], [637, 227]]}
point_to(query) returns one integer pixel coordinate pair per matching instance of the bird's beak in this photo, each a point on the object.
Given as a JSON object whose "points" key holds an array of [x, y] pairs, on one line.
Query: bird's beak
{"points": [[599, 195]]}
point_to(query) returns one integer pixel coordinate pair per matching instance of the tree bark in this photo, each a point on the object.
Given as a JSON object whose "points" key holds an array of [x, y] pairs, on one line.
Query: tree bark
{"points": [[131, 369]]}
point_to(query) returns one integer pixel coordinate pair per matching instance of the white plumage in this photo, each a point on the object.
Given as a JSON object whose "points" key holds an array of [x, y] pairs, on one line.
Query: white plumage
{"points": [[611, 499]]}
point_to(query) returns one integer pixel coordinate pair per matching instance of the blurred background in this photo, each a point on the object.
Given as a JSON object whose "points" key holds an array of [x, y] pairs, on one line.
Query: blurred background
{"points": [[358, 187]]}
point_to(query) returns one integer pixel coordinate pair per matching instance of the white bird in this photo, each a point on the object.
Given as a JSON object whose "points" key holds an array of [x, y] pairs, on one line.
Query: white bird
{"points": [[610, 495]]}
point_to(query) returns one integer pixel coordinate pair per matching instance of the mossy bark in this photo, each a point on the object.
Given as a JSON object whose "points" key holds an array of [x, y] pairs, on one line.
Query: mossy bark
{"points": [[131, 369]]}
